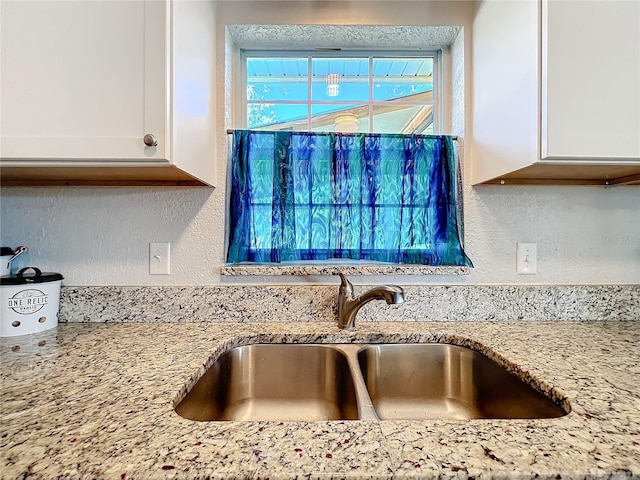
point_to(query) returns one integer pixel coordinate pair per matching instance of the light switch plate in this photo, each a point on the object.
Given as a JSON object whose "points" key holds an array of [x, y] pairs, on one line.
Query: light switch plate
{"points": [[526, 258], [159, 259]]}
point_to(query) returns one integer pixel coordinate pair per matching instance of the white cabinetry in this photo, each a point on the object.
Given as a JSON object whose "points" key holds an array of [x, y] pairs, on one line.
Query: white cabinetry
{"points": [[103, 92], [556, 92]]}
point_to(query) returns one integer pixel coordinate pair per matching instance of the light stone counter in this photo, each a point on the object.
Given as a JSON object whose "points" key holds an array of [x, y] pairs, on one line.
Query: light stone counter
{"points": [[93, 400]]}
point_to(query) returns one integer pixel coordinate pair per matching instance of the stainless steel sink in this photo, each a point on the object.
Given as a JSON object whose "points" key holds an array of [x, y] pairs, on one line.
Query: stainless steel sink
{"points": [[274, 382], [440, 381], [294, 382]]}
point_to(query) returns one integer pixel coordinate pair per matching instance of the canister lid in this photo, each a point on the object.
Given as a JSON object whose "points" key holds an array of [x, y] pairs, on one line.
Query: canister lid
{"points": [[24, 277], [6, 251]]}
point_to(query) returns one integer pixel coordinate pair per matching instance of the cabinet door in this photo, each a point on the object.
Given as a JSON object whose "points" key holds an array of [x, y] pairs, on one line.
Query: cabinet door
{"points": [[591, 80], [84, 80]]}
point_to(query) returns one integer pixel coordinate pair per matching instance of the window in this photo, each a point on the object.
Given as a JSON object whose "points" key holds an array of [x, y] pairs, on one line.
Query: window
{"points": [[342, 92], [341, 159]]}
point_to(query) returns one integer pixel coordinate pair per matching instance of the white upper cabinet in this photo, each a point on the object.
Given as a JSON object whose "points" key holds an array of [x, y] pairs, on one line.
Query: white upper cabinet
{"points": [[556, 92], [591, 79], [88, 92]]}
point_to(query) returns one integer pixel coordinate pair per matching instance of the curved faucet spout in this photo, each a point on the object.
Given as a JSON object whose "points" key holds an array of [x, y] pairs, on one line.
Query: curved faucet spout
{"points": [[348, 307]]}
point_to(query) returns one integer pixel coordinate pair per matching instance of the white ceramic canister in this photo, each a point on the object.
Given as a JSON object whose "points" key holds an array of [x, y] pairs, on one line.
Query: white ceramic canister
{"points": [[29, 302]]}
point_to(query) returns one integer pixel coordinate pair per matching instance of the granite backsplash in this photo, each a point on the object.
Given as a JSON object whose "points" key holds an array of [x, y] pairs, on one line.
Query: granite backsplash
{"points": [[318, 303]]}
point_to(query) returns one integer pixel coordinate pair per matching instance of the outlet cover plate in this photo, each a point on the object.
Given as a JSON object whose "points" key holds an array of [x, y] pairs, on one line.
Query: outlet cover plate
{"points": [[526, 258], [159, 259]]}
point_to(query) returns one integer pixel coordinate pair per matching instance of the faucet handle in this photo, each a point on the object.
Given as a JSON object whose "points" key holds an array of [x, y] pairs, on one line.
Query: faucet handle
{"points": [[346, 287]]}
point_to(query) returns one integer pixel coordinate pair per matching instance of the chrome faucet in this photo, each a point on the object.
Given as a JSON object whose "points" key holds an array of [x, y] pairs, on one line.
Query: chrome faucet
{"points": [[348, 306]]}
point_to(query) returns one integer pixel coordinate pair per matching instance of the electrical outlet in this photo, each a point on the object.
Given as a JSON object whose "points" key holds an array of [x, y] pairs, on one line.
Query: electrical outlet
{"points": [[526, 258], [159, 259]]}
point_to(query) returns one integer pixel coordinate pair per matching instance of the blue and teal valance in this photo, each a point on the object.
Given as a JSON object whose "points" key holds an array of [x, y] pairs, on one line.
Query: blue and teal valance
{"points": [[298, 196]]}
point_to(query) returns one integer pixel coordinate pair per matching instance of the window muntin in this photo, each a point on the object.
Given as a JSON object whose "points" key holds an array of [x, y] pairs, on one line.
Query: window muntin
{"points": [[375, 93]]}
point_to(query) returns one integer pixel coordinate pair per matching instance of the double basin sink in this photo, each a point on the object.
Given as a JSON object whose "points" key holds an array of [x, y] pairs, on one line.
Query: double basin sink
{"points": [[312, 382]]}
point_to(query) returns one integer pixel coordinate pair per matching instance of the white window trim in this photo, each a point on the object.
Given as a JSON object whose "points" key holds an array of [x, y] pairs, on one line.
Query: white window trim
{"points": [[236, 96]]}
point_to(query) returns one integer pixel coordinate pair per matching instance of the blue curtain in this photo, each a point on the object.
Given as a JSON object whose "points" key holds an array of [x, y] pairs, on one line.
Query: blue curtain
{"points": [[299, 196]]}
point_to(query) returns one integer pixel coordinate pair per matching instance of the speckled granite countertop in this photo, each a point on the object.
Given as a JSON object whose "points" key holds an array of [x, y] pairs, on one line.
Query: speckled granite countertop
{"points": [[96, 401]]}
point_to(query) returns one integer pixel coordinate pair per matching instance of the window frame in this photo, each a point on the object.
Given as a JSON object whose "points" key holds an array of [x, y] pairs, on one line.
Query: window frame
{"points": [[235, 117], [441, 119]]}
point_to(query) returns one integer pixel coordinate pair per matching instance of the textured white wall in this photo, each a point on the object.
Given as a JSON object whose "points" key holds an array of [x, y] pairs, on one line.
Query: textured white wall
{"points": [[585, 235], [100, 236]]}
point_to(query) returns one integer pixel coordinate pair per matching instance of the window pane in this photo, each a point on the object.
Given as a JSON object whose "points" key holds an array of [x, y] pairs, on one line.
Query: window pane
{"points": [[303, 226], [387, 233], [394, 118], [260, 227], [270, 116], [415, 224], [320, 231], [340, 79], [340, 118], [403, 79], [389, 194], [277, 79]]}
